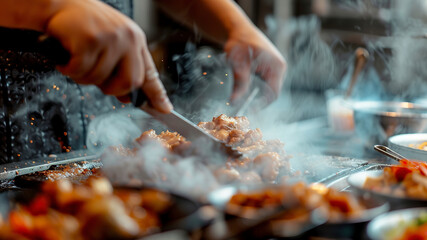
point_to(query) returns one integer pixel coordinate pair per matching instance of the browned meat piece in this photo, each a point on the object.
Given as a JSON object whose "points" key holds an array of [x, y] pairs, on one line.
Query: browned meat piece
{"points": [[252, 137], [227, 175], [170, 140], [242, 164], [231, 130], [229, 123], [267, 158], [147, 134], [236, 137], [268, 165], [222, 135], [250, 177], [66, 172]]}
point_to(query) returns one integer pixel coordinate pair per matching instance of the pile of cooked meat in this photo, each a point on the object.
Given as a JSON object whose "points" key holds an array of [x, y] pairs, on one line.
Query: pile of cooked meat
{"points": [[298, 199], [92, 210], [262, 160]]}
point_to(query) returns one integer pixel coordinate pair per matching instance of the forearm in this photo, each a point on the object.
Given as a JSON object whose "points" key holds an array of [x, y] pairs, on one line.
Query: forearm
{"points": [[28, 14], [216, 19]]}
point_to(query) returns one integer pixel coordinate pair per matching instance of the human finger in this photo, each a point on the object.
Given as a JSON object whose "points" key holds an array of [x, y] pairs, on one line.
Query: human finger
{"points": [[242, 80], [272, 71], [124, 99], [241, 66], [153, 86], [78, 66], [128, 74], [103, 69]]}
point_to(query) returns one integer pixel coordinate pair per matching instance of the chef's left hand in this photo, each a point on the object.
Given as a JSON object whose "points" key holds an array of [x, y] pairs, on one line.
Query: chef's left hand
{"points": [[250, 52]]}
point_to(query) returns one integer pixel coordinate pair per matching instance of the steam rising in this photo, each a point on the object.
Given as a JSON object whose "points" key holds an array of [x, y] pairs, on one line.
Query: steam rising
{"points": [[205, 83], [207, 96], [114, 129], [153, 165]]}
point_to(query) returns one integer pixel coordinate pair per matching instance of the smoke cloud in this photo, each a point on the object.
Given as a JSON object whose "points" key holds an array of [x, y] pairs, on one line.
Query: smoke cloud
{"points": [[205, 83]]}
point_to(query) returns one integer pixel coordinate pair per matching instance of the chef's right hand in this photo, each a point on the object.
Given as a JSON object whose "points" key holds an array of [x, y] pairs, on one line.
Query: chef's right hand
{"points": [[107, 49]]}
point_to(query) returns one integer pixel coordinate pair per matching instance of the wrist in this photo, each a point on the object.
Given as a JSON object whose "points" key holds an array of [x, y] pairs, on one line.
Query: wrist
{"points": [[246, 32], [29, 14], [52, 7]]}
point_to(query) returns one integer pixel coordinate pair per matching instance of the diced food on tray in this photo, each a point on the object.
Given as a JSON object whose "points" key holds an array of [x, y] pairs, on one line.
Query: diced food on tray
{"points": [[93, 210], [172, 141], [407, 179], [264, 158], [300, 199], [257, 202], [74, 172], [70, 171]]}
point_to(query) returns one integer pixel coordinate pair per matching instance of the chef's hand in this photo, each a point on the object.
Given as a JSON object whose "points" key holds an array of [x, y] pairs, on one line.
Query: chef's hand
{"points": [[108, 50], [249, 51]]}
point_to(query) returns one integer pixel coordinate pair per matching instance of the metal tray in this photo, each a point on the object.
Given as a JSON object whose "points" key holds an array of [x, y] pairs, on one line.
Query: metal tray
{"points": [[11, 170], [185, 213], [262, 223], [315, 226], [339, 181], [319, 168]]}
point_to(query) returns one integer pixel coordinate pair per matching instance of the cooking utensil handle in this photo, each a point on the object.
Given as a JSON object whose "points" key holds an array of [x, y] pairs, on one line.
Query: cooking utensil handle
{"points": [[53, 49], [360, 61], [138, 97], [388, 152]]}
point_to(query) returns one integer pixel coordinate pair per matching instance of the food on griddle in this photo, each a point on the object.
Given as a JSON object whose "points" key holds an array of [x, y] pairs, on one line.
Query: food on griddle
{"points": [[341, 206], [407, 179], [170, 140], [93, 210], [67, 171], [255, 203], [262, 160], [75, 172], [299, 199]]}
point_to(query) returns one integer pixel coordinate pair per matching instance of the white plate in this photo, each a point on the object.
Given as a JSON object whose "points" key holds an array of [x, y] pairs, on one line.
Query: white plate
{"points": [[380, 227], [400, 143]]}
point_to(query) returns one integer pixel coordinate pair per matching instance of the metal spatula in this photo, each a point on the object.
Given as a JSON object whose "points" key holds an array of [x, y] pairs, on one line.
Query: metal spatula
{"points": [[182, 125]]}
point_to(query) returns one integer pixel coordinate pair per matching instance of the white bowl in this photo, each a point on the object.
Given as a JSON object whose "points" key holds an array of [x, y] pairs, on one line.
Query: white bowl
{"points": [[401, 144]]}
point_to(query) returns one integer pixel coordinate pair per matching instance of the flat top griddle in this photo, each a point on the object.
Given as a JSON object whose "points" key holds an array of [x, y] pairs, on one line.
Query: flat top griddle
{"points": [[318, 168], [345, 158], [11, 170]]}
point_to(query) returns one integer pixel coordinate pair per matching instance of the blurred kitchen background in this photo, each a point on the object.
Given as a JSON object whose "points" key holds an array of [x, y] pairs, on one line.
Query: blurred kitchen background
{"points": [[318, 39]]}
